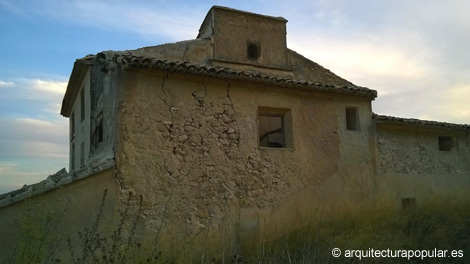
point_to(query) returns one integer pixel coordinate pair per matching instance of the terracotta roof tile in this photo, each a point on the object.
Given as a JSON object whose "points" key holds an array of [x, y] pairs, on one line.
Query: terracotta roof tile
{"points": [[126, 61]]}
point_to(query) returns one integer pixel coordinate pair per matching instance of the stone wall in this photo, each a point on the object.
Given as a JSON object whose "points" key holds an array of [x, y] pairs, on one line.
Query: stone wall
{"points": [[411, 166], [408, 150]]}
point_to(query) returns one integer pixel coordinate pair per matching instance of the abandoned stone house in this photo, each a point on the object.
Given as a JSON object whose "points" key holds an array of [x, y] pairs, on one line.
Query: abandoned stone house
{"points": [[233, 123]]}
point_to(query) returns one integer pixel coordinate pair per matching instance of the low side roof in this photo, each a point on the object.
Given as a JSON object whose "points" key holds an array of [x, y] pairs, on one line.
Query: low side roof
{"points": [[383, 119]]}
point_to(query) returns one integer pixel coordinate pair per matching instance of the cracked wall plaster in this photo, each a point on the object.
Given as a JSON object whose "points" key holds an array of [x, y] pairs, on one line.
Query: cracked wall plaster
{"points": [[195, 141]]}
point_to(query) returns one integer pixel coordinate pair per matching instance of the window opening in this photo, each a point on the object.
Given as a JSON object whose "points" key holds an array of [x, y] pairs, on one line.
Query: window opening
{"points": [[274, 128], [72, 126], [445, 143], [272, 131], [352, 120], [253, 50], [82, 104]]}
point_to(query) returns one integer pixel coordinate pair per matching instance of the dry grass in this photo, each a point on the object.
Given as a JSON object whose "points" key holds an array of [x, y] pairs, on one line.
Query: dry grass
{"points": [[437, 224], [441, 224]]}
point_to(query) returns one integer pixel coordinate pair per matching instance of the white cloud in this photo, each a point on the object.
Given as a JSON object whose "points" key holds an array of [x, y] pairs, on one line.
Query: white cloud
{"points": [[355, 59], [32, 97], [6, 166], [42, 125], [31, 150], [49, 86], [33, 136], [13, 175], [53, 108], [449, 105], [12, 178], [430, 103], [28, 137], [415, 55], [150, 19], [4, 84], [9, 169], [49, 92]]}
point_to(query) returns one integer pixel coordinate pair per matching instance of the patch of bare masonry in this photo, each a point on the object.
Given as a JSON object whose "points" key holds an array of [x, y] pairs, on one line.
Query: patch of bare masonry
{"points": [[193, 149]]}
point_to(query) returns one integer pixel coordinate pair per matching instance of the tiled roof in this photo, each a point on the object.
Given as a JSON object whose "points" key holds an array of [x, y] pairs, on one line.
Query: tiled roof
{"points": [[125, 61], [420, 123]]}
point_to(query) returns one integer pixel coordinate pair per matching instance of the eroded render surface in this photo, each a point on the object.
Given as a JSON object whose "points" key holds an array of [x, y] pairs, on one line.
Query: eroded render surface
{"points": [[195, 141]]}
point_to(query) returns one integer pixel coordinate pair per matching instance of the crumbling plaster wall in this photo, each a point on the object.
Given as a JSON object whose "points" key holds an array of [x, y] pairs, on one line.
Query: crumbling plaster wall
{"points": [[194, 141], [410, 164]]}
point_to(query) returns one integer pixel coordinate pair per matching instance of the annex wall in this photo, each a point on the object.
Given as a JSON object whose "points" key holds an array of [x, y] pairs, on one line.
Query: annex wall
{"points": [[418, 163], [46, 221]]}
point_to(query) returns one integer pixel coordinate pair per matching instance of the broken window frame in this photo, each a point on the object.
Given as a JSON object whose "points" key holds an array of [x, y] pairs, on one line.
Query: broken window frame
{"points": [[285, 128]]}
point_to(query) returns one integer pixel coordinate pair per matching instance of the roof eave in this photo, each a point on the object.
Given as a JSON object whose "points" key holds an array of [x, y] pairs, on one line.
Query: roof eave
{"points": [[129, 62], [418, 123], [80, 68]]}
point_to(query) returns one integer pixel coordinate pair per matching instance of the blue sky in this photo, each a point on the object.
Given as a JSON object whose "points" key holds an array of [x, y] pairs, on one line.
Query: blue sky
{"points": [[414, 53]]}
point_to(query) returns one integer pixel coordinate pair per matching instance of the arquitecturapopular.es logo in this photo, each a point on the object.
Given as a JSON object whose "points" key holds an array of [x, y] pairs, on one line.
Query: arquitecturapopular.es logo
{"points": [[397, 253]]}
